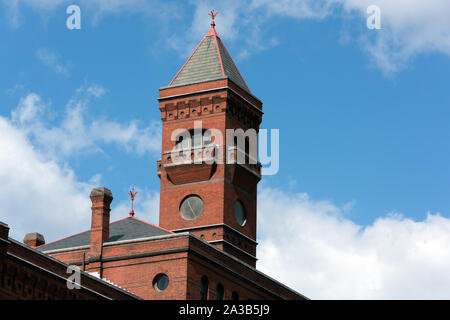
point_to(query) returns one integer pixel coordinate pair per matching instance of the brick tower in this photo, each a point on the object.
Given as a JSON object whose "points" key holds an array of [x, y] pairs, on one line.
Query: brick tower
{"points": [[213, 199]]}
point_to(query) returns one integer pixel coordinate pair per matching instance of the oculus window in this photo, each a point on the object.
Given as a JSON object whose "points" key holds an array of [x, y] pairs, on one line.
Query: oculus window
{"points": [[191, 207]]}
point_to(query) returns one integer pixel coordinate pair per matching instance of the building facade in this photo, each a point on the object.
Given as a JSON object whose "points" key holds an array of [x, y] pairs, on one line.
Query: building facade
{"points": [[205, 245]]}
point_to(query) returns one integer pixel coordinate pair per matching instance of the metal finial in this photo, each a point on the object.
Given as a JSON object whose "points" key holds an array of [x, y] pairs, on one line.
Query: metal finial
{"points": [[132, 194], [213, 15]]}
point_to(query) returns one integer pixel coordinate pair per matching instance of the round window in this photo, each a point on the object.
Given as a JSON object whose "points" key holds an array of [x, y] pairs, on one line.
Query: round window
{"points": [[160, 282], [239, 213], [191, 207]]}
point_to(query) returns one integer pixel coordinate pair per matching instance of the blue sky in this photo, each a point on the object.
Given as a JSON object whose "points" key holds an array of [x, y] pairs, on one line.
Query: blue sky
{"points": [[363, 119]]}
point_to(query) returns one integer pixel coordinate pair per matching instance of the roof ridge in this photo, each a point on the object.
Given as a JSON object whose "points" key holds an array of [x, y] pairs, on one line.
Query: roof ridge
{"points": [[179, 71], [245, 83], [218, 53], [153, 225], [89, 230], [212, 32], [121, 219]]}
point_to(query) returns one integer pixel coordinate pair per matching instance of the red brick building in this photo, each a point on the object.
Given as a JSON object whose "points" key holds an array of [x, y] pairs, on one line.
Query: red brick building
{"points": [[28, 274], [205, 246]]}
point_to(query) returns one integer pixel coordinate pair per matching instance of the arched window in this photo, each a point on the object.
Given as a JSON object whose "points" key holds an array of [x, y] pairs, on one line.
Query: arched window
{"points": [[242, 144], [247, 145], [193, 139], [204, 284], [207, 139], [219, 292], [183, 141], [234, 296]]}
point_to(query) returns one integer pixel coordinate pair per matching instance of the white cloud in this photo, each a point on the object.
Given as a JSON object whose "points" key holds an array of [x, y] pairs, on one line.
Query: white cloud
{"points": [[96, 9], [300, 9], [37, 194], [409, 27], [311, 246], [51, 60], [38, 191], [96, 91], [77, 133], [28, 109]]}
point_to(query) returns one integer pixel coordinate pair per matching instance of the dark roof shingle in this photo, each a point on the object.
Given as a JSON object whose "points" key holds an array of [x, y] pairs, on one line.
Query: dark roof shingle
{"points": [[209, 61], [125, 229]]}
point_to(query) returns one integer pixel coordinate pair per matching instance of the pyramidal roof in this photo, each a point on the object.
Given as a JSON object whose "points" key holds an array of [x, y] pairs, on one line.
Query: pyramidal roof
{"points": [[209, 61]]}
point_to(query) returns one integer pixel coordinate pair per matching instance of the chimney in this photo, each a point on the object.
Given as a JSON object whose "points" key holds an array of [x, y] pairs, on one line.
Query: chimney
{"points": [[34, 239], [101, 199]]}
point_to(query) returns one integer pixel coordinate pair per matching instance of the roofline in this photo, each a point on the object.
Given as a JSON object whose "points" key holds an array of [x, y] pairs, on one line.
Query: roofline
{"points": [[235, 247], [234, 64], [151, 224], [76, 234], [112, 243], [212, 33], [43, 245], [204, 81], [65, 249], [163, 236], [215, 78], [86, 274], [82, 247], [187, 60], [208, 90], [58, 276], [216, 225], [218, 53], [247, 266]]}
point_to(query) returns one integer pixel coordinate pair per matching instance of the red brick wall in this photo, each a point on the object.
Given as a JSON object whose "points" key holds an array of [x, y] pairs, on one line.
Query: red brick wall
{"points": [[234, 276], [184, 259], [26, 274], [220, 109]]}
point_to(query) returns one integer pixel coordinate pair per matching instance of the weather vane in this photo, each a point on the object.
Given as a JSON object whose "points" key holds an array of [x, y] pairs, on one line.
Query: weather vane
{"points": [[213, 15], [132, 194]]}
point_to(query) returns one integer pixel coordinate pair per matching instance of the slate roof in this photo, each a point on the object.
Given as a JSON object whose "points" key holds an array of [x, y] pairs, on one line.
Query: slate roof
{"points": [[209, 61], [125, 229]]}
